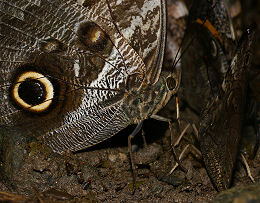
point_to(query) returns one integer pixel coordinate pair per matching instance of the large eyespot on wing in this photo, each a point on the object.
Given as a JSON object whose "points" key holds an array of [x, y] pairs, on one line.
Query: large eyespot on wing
{"points": [[93, 37], [87, 68], [32, 91]]}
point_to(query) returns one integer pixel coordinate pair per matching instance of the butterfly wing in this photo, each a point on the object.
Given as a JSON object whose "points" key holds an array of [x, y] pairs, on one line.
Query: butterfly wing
{"points": [[201, 66], [205, 61], [75, 55], [147, 33], [204, 69], [222, 120]]}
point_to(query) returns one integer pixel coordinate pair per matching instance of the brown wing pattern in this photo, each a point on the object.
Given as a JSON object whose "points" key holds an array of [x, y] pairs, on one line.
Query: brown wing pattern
{"points": [[221, 121], [74, 54]]}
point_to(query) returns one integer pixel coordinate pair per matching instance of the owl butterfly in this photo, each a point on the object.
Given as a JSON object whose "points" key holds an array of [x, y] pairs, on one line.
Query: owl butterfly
{"points": [[222, 120], [75, 73], [218, 87]]}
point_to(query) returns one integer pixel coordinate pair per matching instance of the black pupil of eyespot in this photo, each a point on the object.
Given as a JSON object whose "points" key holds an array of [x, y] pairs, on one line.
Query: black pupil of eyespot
{"points": [[32, 92]]}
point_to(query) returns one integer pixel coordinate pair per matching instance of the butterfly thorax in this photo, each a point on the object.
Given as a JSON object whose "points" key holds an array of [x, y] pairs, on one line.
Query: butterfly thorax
{"points": [[147, 100]]}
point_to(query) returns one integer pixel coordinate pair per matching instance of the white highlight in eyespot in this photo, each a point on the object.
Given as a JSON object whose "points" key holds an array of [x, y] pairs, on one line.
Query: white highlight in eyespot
{"points": [[41, 78]]}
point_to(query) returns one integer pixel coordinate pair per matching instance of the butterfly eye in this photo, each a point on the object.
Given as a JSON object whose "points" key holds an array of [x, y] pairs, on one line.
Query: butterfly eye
{"points": [[33, 91], [171, 83], [92, 36]]}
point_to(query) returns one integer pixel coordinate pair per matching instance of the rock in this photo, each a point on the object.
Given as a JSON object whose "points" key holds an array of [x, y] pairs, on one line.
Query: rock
{"points": [[239, 194]]}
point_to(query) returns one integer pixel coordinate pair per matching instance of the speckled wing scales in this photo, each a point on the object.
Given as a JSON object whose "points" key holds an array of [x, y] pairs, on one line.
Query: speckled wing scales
{"points": [[85, 61], [222, 120], [88, 130]]}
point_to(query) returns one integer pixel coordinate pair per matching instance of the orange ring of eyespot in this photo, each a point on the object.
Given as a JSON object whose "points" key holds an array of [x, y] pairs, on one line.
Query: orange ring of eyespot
{"points": [[41, 78]]}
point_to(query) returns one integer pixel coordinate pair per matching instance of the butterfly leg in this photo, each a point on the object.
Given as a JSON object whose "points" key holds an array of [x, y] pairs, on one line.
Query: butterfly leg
{"points": [[181, 136], [188, 148], [254, 119], [130, 137], [178, 110], [160, 118], [256, 147], [144, 139], [251, 120], [247, 168]]}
